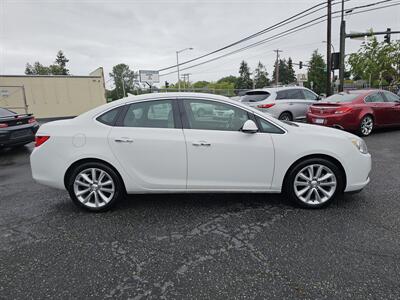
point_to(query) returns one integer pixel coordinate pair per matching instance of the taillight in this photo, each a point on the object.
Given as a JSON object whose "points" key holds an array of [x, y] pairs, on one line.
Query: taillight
{"points": [[31, 120], [265, 105], [3, 125], [41, 139], [343, 110]]}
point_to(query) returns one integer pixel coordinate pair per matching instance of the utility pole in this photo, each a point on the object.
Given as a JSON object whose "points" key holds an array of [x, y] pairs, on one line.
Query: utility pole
{"points": [[277, 66], [342, 49], [186, 79], [328, 49]]}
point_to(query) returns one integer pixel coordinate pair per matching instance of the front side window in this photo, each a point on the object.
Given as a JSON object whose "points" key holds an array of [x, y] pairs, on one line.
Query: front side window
{"points": [[215, 115], [153, 114], [309, 95], [375, 97]]}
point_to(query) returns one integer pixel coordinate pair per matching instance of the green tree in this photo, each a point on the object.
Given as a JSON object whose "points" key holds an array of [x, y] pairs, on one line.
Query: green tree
{"points": [[37, 69], [58, 68], [230, 79], [123, 78], [286, 72], [260, 76], [316, 73], [374, 60], [244, 81], [200, 84], [291, 75]]}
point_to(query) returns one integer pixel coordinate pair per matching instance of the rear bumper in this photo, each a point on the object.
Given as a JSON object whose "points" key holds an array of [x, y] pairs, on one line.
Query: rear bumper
{"points": [[341, 121], [10, 137]]}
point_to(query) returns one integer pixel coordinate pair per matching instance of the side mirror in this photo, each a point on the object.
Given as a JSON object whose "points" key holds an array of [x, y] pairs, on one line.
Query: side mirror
{"points": [[249, 127]]}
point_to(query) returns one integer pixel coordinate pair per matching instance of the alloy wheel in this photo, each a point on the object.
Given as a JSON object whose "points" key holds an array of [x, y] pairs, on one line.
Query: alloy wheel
{"points": [[315, 184], [367, 125], [94, 187]]}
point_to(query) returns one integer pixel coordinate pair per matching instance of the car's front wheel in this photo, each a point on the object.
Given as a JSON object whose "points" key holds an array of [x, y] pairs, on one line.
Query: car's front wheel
{"points": [[314, 183], [366, 125], [94, 186]]}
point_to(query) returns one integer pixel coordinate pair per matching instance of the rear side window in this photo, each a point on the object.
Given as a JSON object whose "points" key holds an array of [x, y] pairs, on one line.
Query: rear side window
{"points": [[153, 114], [110, 117], [342, 97], [375, 97], [255, 96], [267, 127], [289, 94], [6, 113]]}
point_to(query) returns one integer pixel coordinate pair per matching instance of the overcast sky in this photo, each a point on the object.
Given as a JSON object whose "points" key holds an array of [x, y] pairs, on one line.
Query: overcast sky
{"points": [[146, 34]]}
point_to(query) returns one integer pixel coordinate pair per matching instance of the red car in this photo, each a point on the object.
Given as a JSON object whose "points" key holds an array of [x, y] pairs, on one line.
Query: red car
{"points": [[360, 111]]}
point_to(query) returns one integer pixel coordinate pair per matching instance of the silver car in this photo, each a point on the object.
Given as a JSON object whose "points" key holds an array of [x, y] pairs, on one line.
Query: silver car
{"points": [[284, 103]]}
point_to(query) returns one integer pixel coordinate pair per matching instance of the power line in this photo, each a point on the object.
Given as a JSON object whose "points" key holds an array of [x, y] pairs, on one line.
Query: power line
{"points": [[287, 21], [292, 30]]}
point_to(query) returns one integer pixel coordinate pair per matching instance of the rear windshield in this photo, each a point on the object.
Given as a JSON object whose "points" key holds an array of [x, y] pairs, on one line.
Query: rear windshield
{"points": [[6, 113], [255, 96], [342, 97]]}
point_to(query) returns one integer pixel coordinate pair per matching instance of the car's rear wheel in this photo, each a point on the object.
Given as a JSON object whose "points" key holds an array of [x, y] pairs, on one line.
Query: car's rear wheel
{"points": [[314, 183], [366, 125], [286, 116], [94, 186]]}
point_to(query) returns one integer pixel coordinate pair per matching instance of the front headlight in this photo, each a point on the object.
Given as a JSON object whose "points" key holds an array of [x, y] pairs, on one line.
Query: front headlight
{"points": [[360, 145]]}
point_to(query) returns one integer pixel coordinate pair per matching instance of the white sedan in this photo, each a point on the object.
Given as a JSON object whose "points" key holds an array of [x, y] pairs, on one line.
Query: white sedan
{"points": [[156, 143]]}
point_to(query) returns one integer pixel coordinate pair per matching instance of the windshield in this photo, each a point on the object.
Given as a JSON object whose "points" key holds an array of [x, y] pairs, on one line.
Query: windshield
{"points": [[255, 96], [342, 97], [6, 113]]}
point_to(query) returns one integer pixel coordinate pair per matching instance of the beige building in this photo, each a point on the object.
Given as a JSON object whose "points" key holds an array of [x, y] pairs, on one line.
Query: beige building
{"points": [[52, 96]]}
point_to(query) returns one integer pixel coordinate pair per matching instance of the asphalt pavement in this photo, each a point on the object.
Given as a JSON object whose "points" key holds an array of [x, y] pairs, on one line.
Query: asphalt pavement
{"points": [[201, 246]]}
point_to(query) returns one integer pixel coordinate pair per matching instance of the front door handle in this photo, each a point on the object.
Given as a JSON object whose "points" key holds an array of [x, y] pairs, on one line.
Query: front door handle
{"points": [[123, 140], [201, 143]]}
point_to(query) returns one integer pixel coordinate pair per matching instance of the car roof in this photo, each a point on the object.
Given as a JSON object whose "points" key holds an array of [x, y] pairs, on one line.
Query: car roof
{"points": [[276, 89]]}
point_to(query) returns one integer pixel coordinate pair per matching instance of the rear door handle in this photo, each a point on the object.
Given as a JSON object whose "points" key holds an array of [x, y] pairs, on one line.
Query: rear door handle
{"points": [[201, 143], [123, 140]]}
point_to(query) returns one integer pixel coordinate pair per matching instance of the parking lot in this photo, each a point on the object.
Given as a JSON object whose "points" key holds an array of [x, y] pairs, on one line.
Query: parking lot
{"points": [[208, 246]]}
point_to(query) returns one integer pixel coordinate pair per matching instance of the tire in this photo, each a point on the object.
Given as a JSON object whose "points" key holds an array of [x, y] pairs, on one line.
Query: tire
{"points": [[286, 116], [96, 195], [303, 191], [366, 125]]}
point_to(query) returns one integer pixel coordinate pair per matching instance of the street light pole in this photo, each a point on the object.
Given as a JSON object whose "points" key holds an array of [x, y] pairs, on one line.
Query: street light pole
{"points": [[177, 65]]}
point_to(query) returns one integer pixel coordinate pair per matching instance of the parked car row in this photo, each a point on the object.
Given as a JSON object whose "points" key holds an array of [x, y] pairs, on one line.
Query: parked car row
{"points": [[358, 111]]}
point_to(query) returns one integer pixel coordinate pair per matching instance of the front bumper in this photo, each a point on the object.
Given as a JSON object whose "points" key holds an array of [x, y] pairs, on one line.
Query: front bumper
{"points": [[18, 135], [357, 171]]}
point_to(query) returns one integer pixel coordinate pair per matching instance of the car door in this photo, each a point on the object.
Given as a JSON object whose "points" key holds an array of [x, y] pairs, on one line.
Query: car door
{"points": [[380, 108], [148, 142], [220, 155], [309, 98], [297, 104], [394, 107]]}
